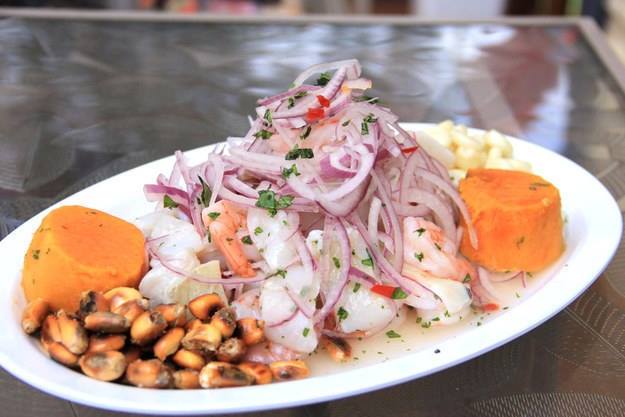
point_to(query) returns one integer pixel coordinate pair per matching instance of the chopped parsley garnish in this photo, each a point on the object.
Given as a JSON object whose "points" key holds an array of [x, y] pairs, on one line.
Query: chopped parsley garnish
{"points": [[168, 202], [436, 319], [323, 79], [342, 314], [369, 261], [267, 116], [345, 123], [300, 94], [280, 272], [364, 128], [447, 313], [336, 261], [517, 295], [36, 253], [263, 134], [426, 325], [398, 294], [370, 119], [467, 278], [437, 246], [214, 214], [419, 256], [286, 172], [247, 240], [258, 231], [297, 152], [305, 332], [520, 241], [392, 334], [419, 319], [267, 200], [420, 231], [291, 101], [206, 194], [356, 287], [306, 133]]}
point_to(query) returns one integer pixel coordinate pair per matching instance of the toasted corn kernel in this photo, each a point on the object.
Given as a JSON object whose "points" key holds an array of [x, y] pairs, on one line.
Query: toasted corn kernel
{"points": [[106, 322], [50, 331], [61, 354], [188, 359], [225, 319], [223, 375], [132, 353], [147, 327], [175, 314], [192, 324], [149, 374], [34, 314], [131, 310], [289, 370], [120, 295], [252, 331], [105, 343], [259, 371], [73, 335], [187, 379], [205, 338], [338, 349], [90, 302], [231, 350], [169, 343], [205, 305], [105, 366]]}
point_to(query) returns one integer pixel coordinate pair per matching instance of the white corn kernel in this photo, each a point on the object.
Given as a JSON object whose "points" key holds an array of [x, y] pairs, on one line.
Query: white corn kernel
{"points": [[440, 135], [463, 140], [495, 139], [467, 158]]}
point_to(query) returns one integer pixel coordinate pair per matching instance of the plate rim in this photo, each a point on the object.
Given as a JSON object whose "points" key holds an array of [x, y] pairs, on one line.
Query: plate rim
{"points": [[288, 392]]}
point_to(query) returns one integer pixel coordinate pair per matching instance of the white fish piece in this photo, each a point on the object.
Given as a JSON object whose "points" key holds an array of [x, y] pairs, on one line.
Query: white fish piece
{"points": [[365, 310], [453, 294], [297, 334], [271, 235], [275, 303]]}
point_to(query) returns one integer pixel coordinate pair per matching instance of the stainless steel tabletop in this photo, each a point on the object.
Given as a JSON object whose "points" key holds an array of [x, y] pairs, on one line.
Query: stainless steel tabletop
{"points": [[83, 97]]}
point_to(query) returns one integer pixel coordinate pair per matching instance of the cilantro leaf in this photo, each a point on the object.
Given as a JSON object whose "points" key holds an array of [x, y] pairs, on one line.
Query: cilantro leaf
{"points": [[297, 152], [323, 79], [168, 202], [286, 172], [342, 314]]}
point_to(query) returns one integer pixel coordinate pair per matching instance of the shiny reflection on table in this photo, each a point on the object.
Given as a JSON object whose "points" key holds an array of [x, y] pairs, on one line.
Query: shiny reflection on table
{"points": [[81, 101]]}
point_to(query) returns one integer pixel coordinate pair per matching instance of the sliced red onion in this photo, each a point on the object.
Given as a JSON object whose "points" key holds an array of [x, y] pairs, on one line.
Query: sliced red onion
{"points": [[410, 210], [358, 84], [346, 205], [289, 93], [441, 211], [286, 320], [484, 277], [307, 309], [336, 232], [383, 192], [348, 186], [352, 66], [373, 219]]}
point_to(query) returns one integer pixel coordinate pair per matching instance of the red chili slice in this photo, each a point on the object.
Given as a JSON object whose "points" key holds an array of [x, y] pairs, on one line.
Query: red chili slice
{"points": [[490, 307], [384, 290], [323, 101], [409, 150], [315, 114]]}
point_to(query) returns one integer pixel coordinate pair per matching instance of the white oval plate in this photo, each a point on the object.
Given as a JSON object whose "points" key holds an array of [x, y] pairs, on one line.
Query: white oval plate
{"points": [[592, 233]]}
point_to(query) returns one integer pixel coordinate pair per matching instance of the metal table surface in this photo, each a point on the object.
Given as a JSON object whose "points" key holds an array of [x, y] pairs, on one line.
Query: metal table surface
{"points": [[85, 96]]}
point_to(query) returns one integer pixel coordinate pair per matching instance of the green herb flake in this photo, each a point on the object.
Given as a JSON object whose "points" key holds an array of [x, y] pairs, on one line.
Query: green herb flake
{"points": [[287, 172], [263, 134], [426, 325], [419, 319], [306, 133], [420, 231], [437, 246], [466, 279], [300, 94], [447, 314], [345, 123], [247, 240], [364, 128], [368, 99], [517, 295], [258, 231], [398, 294], [267, 116], [370, 119], [281, 272], [357, 287], [419, 256], [36, 253], [267, 200], [520, 241], [291, 104], [368, 261], [169, 203], [534, 186], [336, 261], [214, 214], [305, 332], [206, 194], [436, 319], [323, 79], [297, 152], [342, 314], [392, 334]]}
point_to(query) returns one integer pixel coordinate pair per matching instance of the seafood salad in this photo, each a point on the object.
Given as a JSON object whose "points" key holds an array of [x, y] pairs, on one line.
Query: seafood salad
{"points": [[327, 220]]}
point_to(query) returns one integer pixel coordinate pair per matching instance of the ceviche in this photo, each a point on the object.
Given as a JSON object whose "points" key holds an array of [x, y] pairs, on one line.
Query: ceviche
{"points": [[326, 222]]}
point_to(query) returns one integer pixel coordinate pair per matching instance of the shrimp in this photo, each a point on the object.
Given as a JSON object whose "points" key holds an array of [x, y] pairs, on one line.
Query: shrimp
{"points": [[428, 249], [223, 219]]}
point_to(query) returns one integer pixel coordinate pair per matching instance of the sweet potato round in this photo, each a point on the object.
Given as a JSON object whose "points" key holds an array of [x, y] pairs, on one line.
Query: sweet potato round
{"points": [[517, 217], [77, 249]]}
